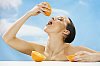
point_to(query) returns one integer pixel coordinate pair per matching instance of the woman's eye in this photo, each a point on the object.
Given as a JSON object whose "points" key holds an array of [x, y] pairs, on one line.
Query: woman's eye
{"points": [[61, 19]]}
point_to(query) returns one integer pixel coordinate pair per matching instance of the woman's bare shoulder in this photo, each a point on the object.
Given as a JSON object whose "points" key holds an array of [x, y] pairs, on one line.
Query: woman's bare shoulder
{"points": [[71, 49]]}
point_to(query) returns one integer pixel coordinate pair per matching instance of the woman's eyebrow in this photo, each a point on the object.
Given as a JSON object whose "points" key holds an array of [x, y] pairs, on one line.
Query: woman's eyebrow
{"points": [[53, 18]]}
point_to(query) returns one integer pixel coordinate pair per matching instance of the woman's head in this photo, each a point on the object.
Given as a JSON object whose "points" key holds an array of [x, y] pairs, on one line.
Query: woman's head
{"points": [[62, 24]]}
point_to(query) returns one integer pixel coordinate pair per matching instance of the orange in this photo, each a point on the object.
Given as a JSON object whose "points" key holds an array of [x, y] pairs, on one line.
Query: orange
{"points": [[48, 12], [70, 57], [38, 57]]}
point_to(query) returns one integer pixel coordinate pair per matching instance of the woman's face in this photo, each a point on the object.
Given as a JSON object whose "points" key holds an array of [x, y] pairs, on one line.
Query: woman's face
{"points": [[56, 24]]}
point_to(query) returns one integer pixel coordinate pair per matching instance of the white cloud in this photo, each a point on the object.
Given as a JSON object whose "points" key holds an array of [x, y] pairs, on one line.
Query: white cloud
{"points": [[3, 26], [7, 4], [9, 8], [59, 12], [83, 2], [26, 30]]}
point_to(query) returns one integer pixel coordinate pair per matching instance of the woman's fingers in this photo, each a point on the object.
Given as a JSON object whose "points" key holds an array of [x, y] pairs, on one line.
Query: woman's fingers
{"points": [[82, 53], [44, 8], [83, 56]]}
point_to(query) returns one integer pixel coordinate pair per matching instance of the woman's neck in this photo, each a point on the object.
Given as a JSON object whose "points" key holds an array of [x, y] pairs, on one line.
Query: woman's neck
{"points": [[55, 41]]}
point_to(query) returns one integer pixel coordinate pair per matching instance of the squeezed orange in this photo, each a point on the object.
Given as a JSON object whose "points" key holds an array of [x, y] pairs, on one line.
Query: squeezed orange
{"points": [[38, 57], [70, 57]]}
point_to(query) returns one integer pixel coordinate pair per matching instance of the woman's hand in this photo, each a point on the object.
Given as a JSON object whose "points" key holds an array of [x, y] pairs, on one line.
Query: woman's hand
{"points": [[38, 9], [84, 56]]}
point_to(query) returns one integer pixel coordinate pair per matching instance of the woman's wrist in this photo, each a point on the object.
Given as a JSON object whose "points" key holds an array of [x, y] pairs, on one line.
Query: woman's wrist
{"points": [[29, 14], [35, 11], [26, 15]]}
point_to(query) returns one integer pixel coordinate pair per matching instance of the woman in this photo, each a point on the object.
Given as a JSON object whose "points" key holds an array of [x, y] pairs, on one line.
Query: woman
{"points": [[61, 32]]}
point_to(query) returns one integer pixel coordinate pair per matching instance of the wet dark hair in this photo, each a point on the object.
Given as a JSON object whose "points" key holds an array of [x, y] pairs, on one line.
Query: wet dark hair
{"points": [[69, 38]]}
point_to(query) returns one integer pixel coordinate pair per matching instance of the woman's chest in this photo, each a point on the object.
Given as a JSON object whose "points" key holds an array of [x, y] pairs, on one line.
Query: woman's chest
{"points": [[55, 55]]}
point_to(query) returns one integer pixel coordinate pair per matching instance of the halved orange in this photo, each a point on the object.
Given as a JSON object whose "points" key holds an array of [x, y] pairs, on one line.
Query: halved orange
{"points": [[70, 57], [48, 10], [38, 57]]}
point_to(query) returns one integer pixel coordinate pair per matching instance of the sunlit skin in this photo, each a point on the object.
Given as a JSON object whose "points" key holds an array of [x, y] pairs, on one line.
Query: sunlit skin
{"points": [[55, 49]]}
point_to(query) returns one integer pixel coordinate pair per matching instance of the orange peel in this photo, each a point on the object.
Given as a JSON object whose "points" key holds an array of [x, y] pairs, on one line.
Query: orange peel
{"points": [[70, 57], [48, 9], [38, 57]]}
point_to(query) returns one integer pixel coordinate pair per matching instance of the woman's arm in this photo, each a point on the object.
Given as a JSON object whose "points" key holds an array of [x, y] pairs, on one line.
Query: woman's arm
{"points": [[12, 31], [82, 48], [19, 44], [87, 55]]}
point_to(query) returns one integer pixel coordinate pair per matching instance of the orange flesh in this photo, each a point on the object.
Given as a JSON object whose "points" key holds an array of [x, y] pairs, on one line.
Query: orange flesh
{"points": [[70, 57], [48, 12], [36, 56]]}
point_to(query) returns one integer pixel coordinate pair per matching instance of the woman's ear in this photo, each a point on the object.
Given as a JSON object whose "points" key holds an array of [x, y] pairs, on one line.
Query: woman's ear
{"points": [[66, 32]]}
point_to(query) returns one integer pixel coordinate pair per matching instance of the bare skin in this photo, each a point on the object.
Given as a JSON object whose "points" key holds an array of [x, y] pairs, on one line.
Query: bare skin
{"points": [[56, 49]]}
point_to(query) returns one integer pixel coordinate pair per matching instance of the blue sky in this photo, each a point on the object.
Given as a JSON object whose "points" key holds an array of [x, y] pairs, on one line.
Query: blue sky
{"points": [[85, 14]]}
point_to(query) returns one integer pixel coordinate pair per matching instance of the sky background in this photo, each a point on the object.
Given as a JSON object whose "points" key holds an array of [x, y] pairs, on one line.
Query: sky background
{"points": [[85, 15]]}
